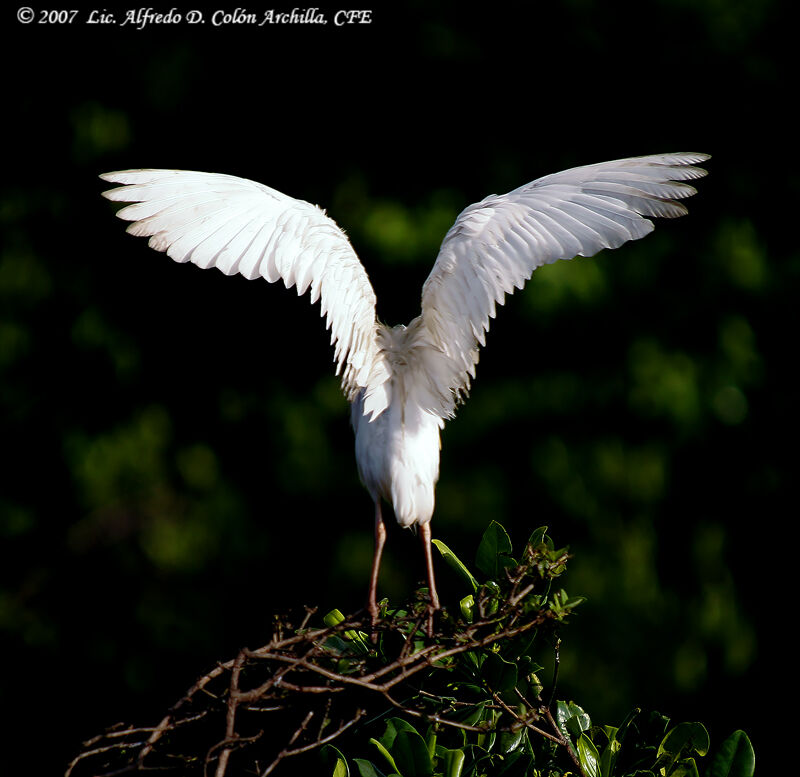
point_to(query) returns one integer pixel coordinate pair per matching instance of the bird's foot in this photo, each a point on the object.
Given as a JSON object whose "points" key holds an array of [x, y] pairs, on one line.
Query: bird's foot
{"points": [[429, 624], [433, 608], [374, 617]]}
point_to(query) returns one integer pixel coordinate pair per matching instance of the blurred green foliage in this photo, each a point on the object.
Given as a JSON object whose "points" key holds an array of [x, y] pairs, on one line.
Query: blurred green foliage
{"points": [[177, 456]]}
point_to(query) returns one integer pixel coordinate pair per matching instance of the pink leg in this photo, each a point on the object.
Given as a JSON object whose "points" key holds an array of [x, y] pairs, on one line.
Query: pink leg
{"points": [[380, 539], [425, 536]]}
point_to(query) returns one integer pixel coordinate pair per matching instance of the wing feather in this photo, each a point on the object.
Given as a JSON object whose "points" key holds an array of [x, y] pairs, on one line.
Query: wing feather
{"points": [[496, 244], [244, 227]]}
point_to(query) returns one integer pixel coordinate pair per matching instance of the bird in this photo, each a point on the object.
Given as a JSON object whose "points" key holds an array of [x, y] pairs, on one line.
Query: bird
{"points": [[404, 382]]}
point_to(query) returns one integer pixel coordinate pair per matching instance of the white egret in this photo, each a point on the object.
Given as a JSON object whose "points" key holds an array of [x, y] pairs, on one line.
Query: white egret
{"points": [[404, 382]]}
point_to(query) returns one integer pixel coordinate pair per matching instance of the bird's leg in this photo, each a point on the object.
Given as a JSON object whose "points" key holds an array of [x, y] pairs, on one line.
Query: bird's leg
{"points": [[380, 539], [425, 536]]}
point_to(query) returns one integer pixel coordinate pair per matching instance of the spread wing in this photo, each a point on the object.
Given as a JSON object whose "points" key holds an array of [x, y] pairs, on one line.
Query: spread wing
{"points": [[240, 226], [496, 244]]}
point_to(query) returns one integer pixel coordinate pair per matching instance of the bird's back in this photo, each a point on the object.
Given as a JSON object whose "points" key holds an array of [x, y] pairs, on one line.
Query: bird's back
{"points": [[398, 451]]}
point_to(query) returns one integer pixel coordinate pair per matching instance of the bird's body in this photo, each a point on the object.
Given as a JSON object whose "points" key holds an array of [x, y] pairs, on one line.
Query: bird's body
{"points": [[404, 382], [397, 452]]}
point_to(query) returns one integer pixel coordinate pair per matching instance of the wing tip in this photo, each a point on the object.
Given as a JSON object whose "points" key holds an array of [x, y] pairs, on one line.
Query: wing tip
{"points": [[686, 161], [117, 176], [692, 156]]}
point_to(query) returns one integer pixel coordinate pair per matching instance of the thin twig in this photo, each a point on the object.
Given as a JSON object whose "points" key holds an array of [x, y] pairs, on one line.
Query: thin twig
{"points": [[527, 724]]}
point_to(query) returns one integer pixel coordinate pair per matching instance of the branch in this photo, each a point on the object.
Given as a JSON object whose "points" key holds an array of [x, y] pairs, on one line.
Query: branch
{"points": [[331, 676]]}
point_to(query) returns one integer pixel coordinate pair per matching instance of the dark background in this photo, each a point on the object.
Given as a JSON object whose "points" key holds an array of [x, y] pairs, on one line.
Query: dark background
{"points": [[177, 458]]}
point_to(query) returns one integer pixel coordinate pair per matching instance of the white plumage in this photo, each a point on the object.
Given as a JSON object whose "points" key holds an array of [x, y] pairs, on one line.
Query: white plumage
{"points": [[404, 382]]}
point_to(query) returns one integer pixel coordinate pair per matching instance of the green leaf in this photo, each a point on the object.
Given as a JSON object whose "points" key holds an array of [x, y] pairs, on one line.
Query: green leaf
{"points": [[471, 716], [452, 761], [610, 751], [735, 757], [677, 747], [333, 618], [684, 738], [467, 605], [517, 764], [367, 768], [385, 753], [589, 757], [571, 718], [499, 674], [430, 740], [616, 736], [538, 537], [405, 749], [494, 551], [562, 716], [393, 727], [509, 741], [455, 563], [411, 755], [357, 639], [333, 755], [684, 768], [486, 740]]}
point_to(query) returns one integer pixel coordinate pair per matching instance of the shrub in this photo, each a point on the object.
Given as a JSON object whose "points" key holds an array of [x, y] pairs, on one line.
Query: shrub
{"points": [[458, 694]]}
